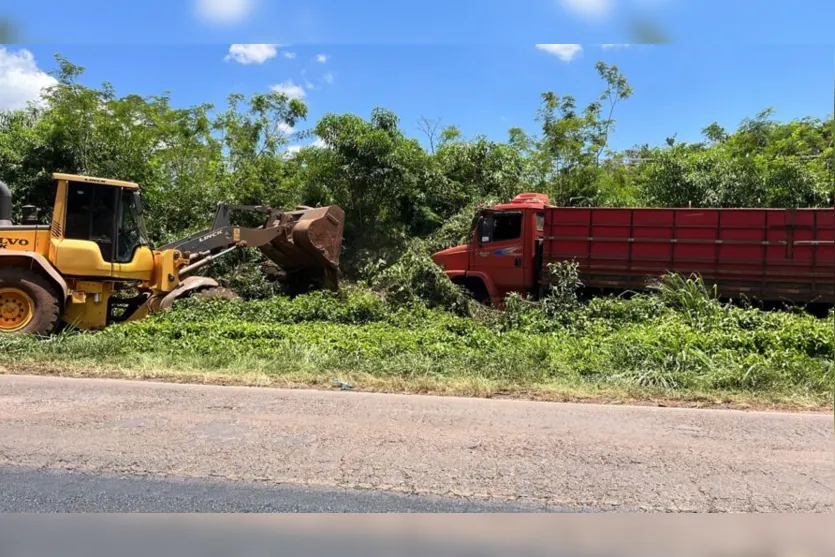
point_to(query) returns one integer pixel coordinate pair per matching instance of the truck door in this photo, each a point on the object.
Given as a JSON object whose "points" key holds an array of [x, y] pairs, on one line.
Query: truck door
{"points": [[499, 250]]}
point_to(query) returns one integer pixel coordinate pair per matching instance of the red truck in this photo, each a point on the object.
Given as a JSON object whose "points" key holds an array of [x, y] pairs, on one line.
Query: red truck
{"points": [[767, 254]]}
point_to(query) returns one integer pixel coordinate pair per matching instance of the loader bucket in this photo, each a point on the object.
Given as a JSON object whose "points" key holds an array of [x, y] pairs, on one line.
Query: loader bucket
{"points": [[310, 248]]}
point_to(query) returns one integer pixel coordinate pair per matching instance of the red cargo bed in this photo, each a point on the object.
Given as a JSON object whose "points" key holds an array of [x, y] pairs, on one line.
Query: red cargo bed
{"points": [[768, 254]]}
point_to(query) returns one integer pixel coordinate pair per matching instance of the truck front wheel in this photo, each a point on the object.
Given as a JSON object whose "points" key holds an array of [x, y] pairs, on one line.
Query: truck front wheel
{"points": [[475, 288], [28, 303]]}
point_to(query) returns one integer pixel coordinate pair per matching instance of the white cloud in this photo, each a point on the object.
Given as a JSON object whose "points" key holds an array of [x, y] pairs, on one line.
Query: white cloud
{"points": [[591, 9], [328, 78], [307, 82], [252, 53], [227, 12], [289, 55], [21, 81], [290, 89], [322, 58], [286, 128], [293, 150], [614, 46], [565, 52]]}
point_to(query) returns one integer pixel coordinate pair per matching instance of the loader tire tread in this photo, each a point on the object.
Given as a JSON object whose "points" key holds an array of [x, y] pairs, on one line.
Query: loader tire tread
{"points": [[47, 311]]}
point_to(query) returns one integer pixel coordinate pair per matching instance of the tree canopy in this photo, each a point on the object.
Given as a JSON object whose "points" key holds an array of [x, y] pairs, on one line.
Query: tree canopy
{"points": [[391, 187]]}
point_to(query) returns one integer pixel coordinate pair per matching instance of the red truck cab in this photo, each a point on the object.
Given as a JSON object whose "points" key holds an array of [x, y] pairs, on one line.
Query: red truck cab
{"points": [[505, 251]]}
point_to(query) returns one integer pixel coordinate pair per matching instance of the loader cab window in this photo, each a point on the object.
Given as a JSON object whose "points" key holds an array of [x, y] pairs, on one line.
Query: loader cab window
{"points": [[91, 212], [106, 215], [131, 232], [499, 227]]}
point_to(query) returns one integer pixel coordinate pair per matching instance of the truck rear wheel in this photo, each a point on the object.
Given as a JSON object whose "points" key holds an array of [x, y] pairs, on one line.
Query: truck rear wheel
{"points": [[28, 303]]}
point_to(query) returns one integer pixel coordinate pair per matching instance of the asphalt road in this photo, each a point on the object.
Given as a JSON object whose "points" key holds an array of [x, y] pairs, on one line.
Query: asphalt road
{"points": [[320, 449], [58, 491]]}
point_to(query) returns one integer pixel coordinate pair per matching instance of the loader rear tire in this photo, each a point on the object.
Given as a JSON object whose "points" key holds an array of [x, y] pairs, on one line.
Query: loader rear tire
{"points": [[28, 303]]}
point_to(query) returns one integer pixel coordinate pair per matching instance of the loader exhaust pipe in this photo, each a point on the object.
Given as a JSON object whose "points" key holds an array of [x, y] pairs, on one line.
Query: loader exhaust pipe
{"points": [[5, 205]]}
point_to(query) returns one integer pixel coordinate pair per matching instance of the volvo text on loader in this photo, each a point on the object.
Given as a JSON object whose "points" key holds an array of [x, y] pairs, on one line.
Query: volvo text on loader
{"points": [[77, 269]]}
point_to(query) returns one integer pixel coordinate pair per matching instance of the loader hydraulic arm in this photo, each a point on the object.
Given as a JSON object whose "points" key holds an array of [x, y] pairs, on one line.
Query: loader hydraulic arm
{"points": [[207, 245], [305, 243]]}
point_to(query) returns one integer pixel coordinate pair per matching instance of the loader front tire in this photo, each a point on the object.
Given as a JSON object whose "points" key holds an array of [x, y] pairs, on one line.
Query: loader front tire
{"points": [[28, 303]]}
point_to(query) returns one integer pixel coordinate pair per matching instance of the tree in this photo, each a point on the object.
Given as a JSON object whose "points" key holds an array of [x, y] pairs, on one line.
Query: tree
{"points": [[384, 181], [573, 140], [391, 188], [480, 169], [763, 163], [569, 143], [254, 134], [450, 134], [715, 133], [185, 160], [617, 89], [429, 128]]}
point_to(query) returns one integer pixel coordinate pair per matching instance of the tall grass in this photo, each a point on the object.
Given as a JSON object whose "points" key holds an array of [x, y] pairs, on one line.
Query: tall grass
{"points": [[678, 339]]}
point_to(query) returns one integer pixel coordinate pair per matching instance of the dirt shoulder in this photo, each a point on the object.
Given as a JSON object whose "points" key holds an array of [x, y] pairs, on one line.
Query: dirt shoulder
{"points": [[476, 388]]}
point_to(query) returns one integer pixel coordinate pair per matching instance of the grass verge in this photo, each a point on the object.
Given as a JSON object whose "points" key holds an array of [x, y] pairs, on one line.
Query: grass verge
{"points": [[465, 387], [649, 349]]}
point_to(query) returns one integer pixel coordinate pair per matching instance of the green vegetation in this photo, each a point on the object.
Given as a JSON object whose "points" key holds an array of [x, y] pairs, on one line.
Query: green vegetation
{"points": [[677, 343], [393, 189], [400, 323]]}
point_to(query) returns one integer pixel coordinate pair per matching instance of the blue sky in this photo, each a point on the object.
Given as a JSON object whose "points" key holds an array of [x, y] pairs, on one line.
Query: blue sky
{"points": [[482, 88], [472, 63], [427, 21]]}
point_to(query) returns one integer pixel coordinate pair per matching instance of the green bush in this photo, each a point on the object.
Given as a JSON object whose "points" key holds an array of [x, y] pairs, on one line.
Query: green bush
{"points": [[415, 279], [650, 341]]}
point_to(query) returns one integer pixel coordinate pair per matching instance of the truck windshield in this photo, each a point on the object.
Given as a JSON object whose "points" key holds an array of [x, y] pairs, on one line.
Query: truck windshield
{"points": [[499, 227]]}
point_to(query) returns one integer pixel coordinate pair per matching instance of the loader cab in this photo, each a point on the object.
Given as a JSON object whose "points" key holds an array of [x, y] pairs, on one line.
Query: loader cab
{"points": [[98, 230]]}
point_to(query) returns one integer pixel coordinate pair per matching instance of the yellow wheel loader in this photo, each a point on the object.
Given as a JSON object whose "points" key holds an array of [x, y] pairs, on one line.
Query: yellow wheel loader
{"points": [[77, 270]]}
